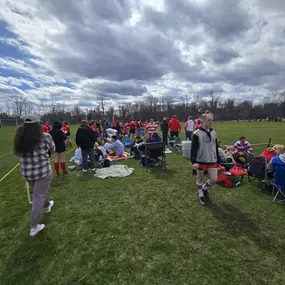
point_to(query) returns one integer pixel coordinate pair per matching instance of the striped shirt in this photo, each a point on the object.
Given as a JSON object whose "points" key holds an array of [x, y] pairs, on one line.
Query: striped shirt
{"points": [[246, 147], [151, 128]]}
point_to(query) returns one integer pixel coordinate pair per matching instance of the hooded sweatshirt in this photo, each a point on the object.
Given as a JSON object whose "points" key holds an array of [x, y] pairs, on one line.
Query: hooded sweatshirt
{"points": [[276, 162], [269, 153], [58, 137], [174, 125]]}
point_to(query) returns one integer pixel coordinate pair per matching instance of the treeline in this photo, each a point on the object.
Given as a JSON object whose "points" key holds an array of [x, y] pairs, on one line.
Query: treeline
{"points": [[224, 109]]}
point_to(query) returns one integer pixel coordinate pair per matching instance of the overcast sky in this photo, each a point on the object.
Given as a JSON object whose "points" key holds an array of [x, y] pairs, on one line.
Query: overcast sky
{"points": [[126, 50]]}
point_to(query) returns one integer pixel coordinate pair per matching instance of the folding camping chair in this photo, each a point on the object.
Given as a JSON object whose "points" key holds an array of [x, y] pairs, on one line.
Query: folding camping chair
{"points": [[279, 183], [175, 144], [153, 154], [257, 170]]}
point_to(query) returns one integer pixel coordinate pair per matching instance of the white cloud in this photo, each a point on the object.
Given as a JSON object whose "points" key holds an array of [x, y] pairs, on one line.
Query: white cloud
{"points": [[75, 50]]}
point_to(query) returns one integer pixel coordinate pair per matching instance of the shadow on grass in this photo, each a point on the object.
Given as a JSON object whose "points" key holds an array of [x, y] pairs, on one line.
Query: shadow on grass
{"points": [[238, 223]]}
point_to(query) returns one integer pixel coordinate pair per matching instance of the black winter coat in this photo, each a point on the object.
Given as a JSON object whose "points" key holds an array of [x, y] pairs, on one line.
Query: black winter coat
{"points": [[85, 137], [59, 140]]}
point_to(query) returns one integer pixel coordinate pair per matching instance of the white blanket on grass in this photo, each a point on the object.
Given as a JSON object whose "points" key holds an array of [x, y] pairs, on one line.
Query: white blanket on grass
{"points": [[114, 171]]}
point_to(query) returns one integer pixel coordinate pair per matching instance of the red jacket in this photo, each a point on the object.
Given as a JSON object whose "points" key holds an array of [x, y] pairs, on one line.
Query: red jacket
{"points": [[174, 125], [269, 153]]}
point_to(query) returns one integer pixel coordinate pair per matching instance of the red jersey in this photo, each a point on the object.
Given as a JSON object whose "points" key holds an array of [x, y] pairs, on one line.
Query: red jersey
{"points": [[65, 129], [46, 128], [94, 128], [151, 127], [174, 125], [133, 125]]}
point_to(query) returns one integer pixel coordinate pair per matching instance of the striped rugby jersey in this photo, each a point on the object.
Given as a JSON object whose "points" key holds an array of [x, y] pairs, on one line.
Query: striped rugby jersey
{"points": [[151, 128], [246, 147]]}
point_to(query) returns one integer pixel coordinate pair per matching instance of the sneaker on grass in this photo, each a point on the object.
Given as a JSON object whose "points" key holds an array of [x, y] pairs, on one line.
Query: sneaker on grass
{"points": [[36, 230], [51, 203], [85, 170], [202, 200]]}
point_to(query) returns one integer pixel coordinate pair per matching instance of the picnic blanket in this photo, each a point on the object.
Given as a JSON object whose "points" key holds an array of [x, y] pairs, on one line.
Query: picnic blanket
{"points": [[114, 171], [113, 158]]}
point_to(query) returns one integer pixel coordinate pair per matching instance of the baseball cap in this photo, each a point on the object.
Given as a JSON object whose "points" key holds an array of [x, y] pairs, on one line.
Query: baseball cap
{"points": [[31, 119]]}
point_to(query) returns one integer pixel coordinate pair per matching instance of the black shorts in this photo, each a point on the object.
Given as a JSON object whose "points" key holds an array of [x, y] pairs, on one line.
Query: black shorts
{"points": [[67, 134], [132, 131]]}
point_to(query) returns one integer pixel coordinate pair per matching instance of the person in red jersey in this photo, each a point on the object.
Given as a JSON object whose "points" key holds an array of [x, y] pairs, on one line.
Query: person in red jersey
{"points": [[133, 126], [46, 127], [66, 130]]}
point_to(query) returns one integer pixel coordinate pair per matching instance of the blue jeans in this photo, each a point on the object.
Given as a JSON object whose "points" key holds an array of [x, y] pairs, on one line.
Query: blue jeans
{"points": [[189, 135]]}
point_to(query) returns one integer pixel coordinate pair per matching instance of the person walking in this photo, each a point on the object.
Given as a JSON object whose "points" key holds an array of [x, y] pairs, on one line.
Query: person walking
{"points": [[204, 156], [164, 130], [34, 148], [85, 139], [189, 127], [59, 138], [174, 126]]}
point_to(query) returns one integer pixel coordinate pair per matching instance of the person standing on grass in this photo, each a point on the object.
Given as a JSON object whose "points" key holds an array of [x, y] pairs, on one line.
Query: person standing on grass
{"points": [[242, 149], [85, 139], [204, 155], [66, 131], [174, 126], [34, 148], [189, 127], [164, 130], [59, 139], [151, 128]]}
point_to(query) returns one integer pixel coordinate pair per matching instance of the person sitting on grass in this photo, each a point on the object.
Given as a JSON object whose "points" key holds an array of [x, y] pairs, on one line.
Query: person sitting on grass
{"points": [[117, 147], [270, 152], [155, 138], [242, 149], [34, 148]]}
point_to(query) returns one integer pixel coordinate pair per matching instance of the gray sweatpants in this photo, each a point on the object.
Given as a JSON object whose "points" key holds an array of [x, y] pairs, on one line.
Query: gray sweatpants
{"points": [[40, 198]]}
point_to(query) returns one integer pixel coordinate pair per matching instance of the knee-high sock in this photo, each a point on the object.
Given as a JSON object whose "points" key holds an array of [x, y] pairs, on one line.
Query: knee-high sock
{"points": [[63, 167], [56, 166], [200, 190]]}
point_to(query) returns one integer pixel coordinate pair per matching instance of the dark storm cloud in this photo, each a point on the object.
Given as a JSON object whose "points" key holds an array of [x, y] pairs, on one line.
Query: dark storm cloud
{"points": [[123, 88], [221, 56]]}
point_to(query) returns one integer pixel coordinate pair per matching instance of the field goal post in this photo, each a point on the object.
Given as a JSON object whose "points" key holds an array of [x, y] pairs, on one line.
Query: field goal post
{"points": [[5, 122]]}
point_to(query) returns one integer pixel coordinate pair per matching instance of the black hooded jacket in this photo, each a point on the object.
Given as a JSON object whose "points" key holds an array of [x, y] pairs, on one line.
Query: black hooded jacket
{"points": [[58, 137]]}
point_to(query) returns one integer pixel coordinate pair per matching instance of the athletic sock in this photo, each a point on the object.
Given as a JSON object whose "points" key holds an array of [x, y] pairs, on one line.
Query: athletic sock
{"points": [[63, 167], [56, 166], [206, 186], [200, 190]]}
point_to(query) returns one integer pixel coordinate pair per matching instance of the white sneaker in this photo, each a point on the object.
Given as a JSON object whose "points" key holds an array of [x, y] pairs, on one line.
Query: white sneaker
{"points": [[85, 170], [51, 203], [35, 231]]}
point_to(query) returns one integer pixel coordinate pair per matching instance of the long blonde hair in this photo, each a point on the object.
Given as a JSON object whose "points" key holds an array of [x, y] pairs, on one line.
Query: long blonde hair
{"points": [[279, 148]]}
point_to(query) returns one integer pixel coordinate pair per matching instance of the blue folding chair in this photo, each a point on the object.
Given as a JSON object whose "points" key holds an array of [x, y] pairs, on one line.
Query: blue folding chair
{"points": [[279, 183]]}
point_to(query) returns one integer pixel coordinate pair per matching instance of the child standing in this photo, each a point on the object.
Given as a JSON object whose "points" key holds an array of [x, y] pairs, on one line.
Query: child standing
{"points": [[59, 140]]}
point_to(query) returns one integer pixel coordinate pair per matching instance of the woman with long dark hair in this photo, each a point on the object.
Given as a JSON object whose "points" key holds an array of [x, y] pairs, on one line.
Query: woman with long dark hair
{"points": [[34, 148]]}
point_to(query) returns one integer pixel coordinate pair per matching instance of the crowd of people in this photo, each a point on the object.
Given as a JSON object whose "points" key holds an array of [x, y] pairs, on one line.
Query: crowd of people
{"points": [[36, 141]]}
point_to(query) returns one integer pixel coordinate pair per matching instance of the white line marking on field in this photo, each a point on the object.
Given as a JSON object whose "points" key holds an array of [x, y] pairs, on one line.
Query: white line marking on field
{"points": [[5, 154]]}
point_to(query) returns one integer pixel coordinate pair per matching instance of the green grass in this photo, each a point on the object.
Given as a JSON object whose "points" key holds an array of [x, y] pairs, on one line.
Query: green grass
{"points": [[144, 229]]}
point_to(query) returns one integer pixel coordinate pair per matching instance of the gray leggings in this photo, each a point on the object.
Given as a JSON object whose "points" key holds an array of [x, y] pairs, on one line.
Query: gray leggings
{"points": [[40, 198]]}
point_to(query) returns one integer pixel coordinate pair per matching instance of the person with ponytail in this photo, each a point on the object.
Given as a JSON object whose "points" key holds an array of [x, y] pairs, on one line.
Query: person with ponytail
{"points": [[34, 148], [204, 155], [59, 139]]}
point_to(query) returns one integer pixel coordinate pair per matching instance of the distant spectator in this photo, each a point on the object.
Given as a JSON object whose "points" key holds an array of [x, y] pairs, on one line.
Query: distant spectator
{"points": [[174, 127], [242, 149], [46, 127], [155, 138], [151, 128], [189, 127], [164, 130]]}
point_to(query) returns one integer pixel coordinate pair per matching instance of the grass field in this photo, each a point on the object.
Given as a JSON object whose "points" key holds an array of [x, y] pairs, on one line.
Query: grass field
{"points": [[144, 229]]}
